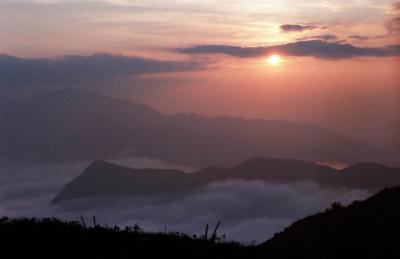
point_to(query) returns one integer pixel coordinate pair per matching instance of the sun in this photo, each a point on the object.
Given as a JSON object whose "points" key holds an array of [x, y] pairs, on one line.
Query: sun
{"points": [[274, 60]]}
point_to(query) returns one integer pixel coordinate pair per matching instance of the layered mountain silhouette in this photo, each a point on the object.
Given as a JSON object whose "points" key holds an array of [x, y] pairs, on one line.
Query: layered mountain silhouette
{"points": [[367, 229], [364, 229], [105, 179], [68, 125]]}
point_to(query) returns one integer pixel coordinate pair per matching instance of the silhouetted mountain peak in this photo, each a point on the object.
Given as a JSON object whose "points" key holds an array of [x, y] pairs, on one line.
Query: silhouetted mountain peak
{"points": [[100, 168], [105, 179], [101, 165], [101, 178]]}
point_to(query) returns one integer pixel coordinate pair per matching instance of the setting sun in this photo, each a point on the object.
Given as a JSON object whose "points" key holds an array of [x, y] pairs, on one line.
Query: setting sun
{"points": [[274, 60]]}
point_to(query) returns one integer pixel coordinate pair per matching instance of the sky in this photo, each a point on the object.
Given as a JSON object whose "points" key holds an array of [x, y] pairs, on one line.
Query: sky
{"points": [[338, 67]]}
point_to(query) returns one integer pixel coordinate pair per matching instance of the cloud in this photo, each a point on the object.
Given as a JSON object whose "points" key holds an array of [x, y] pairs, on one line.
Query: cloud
{"points": [[392, 29], [249, 210], [396, 6], [326, 37], [296, 27], [358, 37], [323, 37], [393, 26], [75, 69], [310, 48]]}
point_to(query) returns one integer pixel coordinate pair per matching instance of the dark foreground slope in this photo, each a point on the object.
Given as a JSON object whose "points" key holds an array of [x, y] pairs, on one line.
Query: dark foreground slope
{"points": [[51, 238], [367, 229], [105, 179], [70, 125]]}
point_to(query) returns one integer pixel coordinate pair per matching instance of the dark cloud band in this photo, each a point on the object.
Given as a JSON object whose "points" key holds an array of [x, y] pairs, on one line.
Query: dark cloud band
{"points": [[296, 27], [83, 69], [311, 48], [324, 37], [358, 37]]}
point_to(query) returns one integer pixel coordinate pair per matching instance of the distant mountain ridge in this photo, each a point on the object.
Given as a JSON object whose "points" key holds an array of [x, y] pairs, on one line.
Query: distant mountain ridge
{"points": [[69, 125], [105, 179]]}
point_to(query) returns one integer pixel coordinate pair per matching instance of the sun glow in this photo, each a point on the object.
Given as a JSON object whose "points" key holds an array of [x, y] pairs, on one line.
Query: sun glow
{"points": [[274, 60]]}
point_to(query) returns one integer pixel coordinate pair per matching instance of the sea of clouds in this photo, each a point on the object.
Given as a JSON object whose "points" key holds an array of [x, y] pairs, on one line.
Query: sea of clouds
{"points": [[248, 210]]}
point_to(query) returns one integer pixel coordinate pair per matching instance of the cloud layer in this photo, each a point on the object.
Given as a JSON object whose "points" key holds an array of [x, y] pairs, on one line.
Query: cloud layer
{"points": [[75, 69], [248, 210], [310, 48]]}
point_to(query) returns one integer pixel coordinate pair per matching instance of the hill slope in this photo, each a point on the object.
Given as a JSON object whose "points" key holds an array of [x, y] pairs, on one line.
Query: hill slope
{"points": [[367, 229], [51, 238]]}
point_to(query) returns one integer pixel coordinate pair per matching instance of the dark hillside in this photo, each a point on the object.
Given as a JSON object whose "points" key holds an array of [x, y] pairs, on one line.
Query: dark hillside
{"points": [[367, 229], [364, 229], [51, 238]]}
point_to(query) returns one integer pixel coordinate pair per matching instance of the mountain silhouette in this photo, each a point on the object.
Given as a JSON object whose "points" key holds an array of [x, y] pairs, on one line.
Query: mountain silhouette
{"points": [[367, 229], [68, 125], [105, 179]]}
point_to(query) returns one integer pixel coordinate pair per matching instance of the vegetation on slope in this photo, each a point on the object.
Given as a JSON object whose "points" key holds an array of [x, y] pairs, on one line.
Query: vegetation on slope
{"points": [[364, 229]]}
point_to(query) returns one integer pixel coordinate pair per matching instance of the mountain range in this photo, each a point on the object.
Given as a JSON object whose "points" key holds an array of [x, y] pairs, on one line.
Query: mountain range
{"points": [[69, 125], [105, 179]]}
